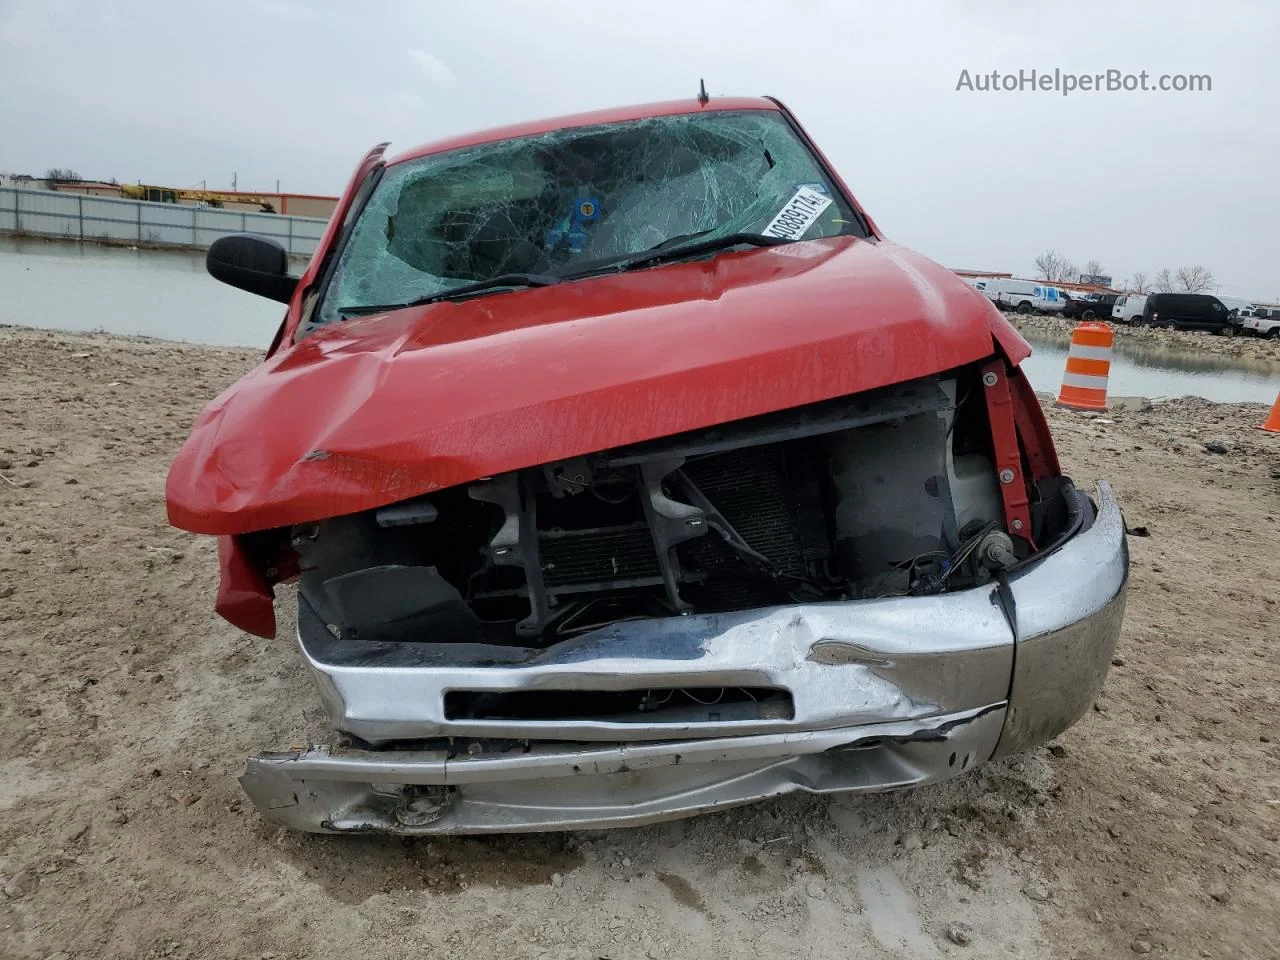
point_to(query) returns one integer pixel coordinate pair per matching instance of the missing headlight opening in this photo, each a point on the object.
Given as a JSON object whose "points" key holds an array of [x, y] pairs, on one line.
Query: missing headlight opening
{"points": [[883, 494]]}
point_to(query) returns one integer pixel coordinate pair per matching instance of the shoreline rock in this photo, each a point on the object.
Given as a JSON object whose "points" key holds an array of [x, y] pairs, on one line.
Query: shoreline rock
{"points": [[1193, 342]]}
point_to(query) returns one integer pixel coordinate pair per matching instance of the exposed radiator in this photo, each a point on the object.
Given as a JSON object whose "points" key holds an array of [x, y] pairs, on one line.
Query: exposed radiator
{"points": [[602, 554], [769, 494], [749, 488]]}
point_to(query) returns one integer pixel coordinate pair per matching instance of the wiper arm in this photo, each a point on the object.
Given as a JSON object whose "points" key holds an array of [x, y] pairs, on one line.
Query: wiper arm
{"points": [[710, 245], [678, 238], [504, 281]]}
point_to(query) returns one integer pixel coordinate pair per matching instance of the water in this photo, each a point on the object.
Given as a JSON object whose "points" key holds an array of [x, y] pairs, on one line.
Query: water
{"points": [[1140, 369], [151, 293], [168, 294]]}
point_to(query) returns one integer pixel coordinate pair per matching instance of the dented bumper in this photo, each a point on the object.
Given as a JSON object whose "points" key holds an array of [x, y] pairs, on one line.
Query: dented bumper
{"points": [[880, 694]]}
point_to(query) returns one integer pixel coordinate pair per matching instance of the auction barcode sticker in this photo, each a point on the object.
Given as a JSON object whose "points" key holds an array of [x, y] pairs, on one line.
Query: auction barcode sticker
{"points": [[798, 215]]}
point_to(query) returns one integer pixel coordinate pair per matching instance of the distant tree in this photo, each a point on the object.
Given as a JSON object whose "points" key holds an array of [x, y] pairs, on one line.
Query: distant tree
{"points": [[1052, 266], [1163, 281], [1093, 268], [1139, 283], [59, 175], [1196, 279], [1047, 264]]}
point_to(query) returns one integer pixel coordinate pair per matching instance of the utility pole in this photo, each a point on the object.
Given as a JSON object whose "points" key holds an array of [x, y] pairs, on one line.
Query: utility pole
{"points": [[277, 184], [233, 183]]}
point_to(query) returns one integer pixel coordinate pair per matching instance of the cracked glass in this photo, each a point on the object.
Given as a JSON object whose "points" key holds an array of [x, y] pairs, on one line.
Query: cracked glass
{"points": [[577, 200]]}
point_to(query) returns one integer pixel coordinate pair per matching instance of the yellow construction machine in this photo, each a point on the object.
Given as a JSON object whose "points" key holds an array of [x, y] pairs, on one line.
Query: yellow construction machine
{"points": [[213, 198]]}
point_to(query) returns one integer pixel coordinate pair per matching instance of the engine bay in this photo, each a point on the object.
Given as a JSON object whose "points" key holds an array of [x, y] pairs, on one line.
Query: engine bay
{"points": [[887, 493]]}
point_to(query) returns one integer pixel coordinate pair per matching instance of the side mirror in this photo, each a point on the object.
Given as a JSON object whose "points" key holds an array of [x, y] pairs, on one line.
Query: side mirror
{"points": [[252, 263]]}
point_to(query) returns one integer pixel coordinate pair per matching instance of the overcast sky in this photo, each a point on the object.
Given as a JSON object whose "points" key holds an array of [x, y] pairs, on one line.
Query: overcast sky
{"points": [[180, 92]]}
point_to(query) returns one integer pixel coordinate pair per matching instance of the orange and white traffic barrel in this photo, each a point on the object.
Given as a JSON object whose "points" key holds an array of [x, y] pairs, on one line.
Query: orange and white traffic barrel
{"points": [[1084, 384], [1272, 424]]}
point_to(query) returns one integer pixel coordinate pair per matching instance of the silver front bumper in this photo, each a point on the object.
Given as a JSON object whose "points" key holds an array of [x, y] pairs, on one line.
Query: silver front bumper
{"points": [[886, 694]]}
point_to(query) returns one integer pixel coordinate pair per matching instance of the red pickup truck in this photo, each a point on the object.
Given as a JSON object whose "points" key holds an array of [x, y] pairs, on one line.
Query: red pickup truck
{"points": [[625, 471]]}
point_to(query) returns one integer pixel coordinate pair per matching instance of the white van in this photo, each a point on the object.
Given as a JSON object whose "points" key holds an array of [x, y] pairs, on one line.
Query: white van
{"points": [[1025, 296], [1128, 309]]}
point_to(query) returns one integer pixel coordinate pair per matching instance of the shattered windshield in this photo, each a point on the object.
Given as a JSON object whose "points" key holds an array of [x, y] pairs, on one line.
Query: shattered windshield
{"points": [[573, 201]]}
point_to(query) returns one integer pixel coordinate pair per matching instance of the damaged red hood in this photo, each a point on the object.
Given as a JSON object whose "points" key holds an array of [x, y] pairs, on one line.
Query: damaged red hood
{"points": [[376, 410]]}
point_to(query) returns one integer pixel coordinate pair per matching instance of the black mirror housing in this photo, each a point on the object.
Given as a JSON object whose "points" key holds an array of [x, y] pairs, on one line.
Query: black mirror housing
{"points": [[252, 263]]}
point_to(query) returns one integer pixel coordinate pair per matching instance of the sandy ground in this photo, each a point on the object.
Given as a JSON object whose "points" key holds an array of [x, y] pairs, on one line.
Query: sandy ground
{"points": [[127, 707]]}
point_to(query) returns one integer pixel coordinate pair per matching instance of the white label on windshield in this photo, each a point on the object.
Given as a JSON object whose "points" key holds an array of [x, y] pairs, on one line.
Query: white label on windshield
{"points": [[798, 215]]}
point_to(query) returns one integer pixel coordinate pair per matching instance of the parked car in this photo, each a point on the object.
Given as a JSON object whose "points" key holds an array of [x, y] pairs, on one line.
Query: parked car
{"points": [[1128, 308], [1025, 296], [626, 471], [1187, 311], [1262, 323], [1090, 306]]}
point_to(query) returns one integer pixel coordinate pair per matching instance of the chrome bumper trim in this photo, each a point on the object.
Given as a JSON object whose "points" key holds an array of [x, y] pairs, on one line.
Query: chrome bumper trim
{"points": [[621, 785], [887, 694]]}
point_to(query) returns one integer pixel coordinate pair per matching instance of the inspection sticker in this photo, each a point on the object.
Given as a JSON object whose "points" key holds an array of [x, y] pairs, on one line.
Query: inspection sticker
{"points": [[798, 215]]}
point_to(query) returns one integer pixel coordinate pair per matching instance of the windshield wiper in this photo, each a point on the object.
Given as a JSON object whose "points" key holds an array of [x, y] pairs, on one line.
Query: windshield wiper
{"points": [[711, 245], [678, 238], [504, 281]]}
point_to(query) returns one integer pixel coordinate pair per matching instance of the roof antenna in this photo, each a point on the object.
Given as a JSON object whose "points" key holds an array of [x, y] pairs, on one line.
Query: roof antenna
{"points": [[702, 92]]}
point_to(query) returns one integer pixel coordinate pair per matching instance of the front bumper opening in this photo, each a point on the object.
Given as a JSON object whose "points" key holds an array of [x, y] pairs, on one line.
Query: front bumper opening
{"points": [[643, 705]]}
